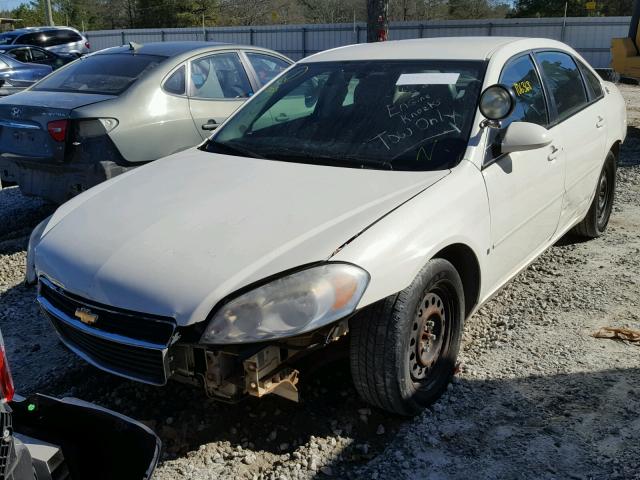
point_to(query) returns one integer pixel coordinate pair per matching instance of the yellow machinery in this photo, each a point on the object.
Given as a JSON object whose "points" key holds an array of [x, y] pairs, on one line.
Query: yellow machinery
{"points": [[625, 52]]}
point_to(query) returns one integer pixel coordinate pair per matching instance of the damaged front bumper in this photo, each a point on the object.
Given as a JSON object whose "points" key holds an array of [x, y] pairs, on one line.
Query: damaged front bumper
{"points": [[151, 349]]}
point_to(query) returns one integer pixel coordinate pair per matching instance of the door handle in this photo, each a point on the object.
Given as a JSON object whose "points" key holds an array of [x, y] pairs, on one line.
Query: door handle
{"points": [[210, 125], [554, 153], [600, 122]]}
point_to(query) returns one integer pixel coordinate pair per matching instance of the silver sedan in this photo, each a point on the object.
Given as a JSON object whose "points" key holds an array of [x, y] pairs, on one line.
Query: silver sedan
{"points": [[122, 107]]}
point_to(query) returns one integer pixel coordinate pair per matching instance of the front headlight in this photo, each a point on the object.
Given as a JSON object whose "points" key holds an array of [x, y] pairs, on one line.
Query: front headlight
{"points": [[298, 303], [34, 239]]}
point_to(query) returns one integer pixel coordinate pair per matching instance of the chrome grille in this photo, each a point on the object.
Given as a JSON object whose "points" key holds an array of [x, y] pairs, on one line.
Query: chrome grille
{"points": [[125, 343]]}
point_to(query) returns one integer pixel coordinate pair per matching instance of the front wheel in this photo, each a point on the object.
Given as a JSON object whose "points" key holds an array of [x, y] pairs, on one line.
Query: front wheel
{"points": [[404, 348], [595, 222]]}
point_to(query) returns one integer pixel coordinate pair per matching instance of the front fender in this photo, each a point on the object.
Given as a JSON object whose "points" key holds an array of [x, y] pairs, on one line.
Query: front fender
{"points": [[454, 210]]}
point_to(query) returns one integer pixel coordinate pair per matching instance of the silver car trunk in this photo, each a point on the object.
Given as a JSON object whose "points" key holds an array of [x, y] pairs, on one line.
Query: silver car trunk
{"points": [[24, 118]]}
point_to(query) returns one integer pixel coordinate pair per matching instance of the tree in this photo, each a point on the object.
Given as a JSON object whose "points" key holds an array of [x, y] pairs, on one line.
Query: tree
{"points": [[575, 8], [462, 9], [120, 14], [417, 10], [377, 20], [332, 11]]}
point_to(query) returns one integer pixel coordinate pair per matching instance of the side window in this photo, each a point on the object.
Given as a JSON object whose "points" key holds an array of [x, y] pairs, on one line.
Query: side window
{"points": [[37, 39], [20, 54], [39, 55], [56, 37], [520, 74], [299, 103], [564, 81], [73, 36], [349, 98], [592, 81], [219, 76], [176, 82], [266, 66]]}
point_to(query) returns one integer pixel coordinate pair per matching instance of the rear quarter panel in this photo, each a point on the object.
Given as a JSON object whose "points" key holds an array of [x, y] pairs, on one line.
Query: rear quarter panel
{"points": [[616, 112], [151, 123]]}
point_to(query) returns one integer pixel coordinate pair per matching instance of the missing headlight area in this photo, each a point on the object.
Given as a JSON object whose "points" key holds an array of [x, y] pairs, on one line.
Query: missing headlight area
{"points": [[231, 373]]}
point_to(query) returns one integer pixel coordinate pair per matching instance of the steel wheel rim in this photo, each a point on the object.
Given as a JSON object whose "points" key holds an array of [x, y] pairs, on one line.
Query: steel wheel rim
{"points": [[603, 199], [428, 335]]}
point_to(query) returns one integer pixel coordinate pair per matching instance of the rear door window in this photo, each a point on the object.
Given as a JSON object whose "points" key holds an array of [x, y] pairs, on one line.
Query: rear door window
{"points": [[521, 75], [593, 82], [109, 74], [57, 37], [219, 76], [564, 81]]}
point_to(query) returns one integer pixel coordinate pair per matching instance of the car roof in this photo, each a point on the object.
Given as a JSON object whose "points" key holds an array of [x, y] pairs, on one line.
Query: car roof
{"points": [[437, 48], [19, 45], [172, 49], [168, 49], [19, 31]]}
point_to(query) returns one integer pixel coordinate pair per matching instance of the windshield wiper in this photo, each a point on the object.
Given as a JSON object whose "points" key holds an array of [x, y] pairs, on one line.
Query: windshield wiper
{"points": [[232, 149], [292, 155], [349, 161]]}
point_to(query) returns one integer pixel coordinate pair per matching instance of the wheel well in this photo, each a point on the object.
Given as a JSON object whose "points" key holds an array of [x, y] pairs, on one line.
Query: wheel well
{"points": [[466, 263], [615, 149]]}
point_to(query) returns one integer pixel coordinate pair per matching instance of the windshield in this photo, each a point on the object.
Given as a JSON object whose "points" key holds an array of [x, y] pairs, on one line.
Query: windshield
{"points": [[7, 39], [109, 74], [400, 115]]}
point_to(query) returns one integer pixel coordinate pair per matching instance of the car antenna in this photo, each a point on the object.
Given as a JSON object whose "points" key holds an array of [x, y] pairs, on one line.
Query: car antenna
{"points": [[133, 46]]}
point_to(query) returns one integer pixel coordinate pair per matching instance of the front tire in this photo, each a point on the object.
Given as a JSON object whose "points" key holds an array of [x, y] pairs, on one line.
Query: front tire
{"points": [[404, 348], [595, 222]]}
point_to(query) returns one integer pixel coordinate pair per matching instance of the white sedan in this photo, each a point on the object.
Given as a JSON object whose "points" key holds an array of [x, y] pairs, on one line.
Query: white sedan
{"points": [[372, 196]]}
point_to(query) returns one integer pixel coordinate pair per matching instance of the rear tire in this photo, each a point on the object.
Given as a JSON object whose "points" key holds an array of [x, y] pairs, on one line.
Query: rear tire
{"points": [[595, 222], [404, 348]]}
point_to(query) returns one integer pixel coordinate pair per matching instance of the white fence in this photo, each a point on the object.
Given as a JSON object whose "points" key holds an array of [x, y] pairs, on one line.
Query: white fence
{"points": [[591, 36]]}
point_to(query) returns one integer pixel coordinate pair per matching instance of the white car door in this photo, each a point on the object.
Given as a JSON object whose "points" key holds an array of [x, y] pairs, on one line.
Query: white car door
{"points": [[525, 189], [580, 123]]}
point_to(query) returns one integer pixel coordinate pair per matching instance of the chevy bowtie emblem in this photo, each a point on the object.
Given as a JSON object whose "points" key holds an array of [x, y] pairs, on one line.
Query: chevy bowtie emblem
{"points": [[86, 316]]}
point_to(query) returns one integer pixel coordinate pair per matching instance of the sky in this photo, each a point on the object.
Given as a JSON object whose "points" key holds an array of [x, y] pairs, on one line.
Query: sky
{"points": [[10, 4]]}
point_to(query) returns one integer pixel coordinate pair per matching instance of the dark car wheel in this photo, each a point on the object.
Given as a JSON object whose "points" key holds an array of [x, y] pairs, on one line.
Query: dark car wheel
{"points": [[404, 348], [597, 218]]}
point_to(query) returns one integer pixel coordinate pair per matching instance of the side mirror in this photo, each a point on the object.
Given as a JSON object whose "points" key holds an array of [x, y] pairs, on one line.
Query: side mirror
{"points": [[496, 103], [521, 136]]}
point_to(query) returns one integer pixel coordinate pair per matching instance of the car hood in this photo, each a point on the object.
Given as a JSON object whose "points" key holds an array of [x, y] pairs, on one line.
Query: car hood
{"points": [[175, 237]]}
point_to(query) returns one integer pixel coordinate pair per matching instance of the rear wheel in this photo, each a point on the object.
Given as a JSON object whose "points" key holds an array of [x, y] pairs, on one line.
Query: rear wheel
{"points": [[595, 222], [404, 348]]}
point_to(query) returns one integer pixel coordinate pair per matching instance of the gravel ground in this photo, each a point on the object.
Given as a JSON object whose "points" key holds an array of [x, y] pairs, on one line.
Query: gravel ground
{"points": [[536, 395]]}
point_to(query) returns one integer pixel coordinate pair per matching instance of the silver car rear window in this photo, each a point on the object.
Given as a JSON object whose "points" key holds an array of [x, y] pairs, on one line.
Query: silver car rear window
{"points": [[108, 74]]}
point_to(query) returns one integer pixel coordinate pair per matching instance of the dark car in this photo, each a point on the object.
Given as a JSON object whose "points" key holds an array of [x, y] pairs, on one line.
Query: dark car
{"points": [[45, 438], [16, 75], [32, 54], [54, 39]]}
